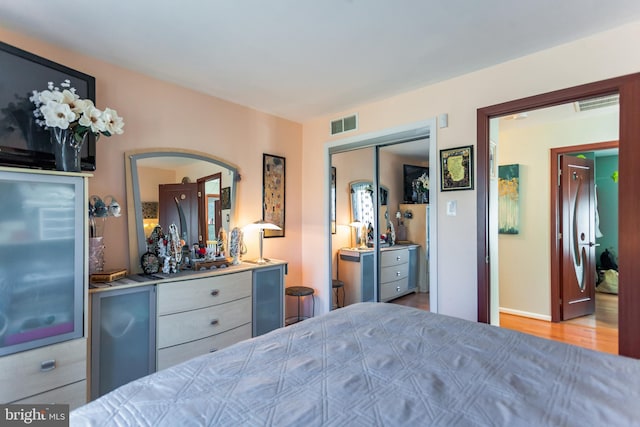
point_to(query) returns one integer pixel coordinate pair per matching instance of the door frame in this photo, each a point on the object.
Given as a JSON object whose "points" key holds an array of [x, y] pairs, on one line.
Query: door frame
{"points": [[556, 250], [628, 87]]}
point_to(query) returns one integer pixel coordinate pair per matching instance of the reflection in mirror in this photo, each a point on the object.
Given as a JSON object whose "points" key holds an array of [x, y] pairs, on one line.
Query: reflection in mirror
{"points": [[172, 179], [211, 208], [363, 208]]}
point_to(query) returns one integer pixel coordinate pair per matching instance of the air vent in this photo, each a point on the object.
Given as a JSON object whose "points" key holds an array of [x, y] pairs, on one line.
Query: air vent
{"points": [[600, 102], [344, 124]]}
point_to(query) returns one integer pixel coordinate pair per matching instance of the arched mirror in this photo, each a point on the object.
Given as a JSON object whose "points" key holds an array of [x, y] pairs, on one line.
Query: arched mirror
{"points": [[363, 209], [194, 190]]}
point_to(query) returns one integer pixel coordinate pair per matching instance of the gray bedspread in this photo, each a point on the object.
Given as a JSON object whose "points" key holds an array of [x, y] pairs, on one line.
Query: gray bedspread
{"points": [[376, 364]]}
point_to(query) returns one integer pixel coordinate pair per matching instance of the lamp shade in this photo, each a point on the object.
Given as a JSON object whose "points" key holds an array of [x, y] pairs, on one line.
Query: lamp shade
{"points": [[264, 225], [261, 225]]}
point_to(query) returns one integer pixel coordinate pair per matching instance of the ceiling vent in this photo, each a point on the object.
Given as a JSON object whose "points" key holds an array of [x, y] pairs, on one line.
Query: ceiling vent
{"points": [[600, 102], [344, 124]]}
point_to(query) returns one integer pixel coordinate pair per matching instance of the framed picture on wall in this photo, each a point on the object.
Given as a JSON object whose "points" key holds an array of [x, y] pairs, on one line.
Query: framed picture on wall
{"points": [[225, 198], [413, 189], [333, 200], [273, 193], [456, 168]]}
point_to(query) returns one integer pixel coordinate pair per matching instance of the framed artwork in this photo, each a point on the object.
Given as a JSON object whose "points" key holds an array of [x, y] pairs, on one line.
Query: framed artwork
{"points": [[509, 199], [413, 189], [273, 193], [333, 200], [456, 168], [225, 198]]}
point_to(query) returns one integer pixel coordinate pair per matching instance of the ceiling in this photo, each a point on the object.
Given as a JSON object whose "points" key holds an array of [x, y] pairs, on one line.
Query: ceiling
{"points": [[300, 59]]}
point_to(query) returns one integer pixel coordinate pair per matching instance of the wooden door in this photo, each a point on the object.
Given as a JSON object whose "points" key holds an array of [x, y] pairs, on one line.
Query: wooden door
{"points": [[577, 229], [187, 196]]}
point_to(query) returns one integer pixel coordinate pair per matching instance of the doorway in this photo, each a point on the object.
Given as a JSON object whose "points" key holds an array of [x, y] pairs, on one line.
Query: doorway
{"points": [[628, 87], [560, 307]]}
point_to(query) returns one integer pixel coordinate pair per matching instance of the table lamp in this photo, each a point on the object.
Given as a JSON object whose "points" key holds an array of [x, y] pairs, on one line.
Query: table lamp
{"points": [[262, 225]]}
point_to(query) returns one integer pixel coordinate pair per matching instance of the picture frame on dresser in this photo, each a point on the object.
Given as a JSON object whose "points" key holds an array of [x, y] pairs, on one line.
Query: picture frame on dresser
{"points": [[273, 193]]}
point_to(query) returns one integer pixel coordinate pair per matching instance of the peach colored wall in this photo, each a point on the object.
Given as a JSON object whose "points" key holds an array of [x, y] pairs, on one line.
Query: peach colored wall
{"points": [[594, 58], [159, 114]]}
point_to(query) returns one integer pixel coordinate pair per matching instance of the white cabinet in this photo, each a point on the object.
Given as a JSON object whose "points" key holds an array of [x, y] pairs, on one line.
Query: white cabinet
{"points": [[394, 273], [202, 315], [417, 229], [123, 337], [268, 299], [188, 314], [45, 369], [397, 275], [355, 270], [43, 349]]}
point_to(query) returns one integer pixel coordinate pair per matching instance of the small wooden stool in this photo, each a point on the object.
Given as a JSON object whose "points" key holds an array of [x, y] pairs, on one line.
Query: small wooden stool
{"points": [[299, 292], [338, 285]]}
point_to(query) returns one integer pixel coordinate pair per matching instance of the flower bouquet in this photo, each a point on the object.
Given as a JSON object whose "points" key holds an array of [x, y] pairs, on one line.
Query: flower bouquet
{"points": [[70, 119]]}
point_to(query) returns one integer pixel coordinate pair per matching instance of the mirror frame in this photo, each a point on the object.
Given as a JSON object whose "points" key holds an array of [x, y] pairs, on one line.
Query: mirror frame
{"points": [[137, 238]]}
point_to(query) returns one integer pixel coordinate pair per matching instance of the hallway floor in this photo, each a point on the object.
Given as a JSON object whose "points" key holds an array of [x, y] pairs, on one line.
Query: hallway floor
{"points": [[598, 331]]}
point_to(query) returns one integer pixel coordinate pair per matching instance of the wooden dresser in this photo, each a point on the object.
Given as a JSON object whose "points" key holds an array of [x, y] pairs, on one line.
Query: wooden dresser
{"points": [[182, 315], [216, 309]]}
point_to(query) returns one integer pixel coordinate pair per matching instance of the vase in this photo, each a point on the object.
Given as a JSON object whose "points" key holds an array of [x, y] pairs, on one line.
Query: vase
{"points": [[96, 255], [66, 149]]}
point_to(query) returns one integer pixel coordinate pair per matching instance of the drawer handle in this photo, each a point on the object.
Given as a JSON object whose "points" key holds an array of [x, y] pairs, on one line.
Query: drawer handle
{"points": [[213, 350], [398, 273], [215, 292], [48, 365], [214, 322], [397, 258], [397, 288]]}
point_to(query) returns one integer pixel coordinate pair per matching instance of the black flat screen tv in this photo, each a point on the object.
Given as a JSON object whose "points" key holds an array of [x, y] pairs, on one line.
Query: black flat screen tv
{"points": [[22, 142]]}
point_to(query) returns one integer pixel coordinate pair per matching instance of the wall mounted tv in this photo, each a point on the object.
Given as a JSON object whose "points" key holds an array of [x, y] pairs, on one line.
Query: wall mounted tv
{"points": [[22, 142]]}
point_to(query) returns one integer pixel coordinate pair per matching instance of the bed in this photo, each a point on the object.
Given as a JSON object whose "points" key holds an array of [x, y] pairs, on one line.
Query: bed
{"points": [[378, 364]]}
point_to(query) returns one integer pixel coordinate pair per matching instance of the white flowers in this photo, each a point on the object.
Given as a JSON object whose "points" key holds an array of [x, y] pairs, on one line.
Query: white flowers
{"points": [[64, 109], [424, 181]]}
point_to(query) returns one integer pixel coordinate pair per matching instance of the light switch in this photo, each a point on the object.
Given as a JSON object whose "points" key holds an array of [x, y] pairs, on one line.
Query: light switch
{"points": [[452, 207], [443, 120]]}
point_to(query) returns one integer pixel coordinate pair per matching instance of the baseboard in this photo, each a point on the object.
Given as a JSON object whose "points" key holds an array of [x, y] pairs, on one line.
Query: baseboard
{"points": [[525, 314]]}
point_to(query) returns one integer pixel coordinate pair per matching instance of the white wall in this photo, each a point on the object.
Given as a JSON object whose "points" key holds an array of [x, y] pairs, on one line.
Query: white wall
{"points": [[599, 57], [525, 269]]}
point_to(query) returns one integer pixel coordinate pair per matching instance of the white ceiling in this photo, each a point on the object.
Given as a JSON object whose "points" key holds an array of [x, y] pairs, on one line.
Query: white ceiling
{"points": [[300, 59]]}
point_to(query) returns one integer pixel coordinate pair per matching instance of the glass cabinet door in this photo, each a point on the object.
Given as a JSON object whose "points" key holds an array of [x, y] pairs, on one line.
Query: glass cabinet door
{"points": [[123, 337], [268, 300], [42, 241]]}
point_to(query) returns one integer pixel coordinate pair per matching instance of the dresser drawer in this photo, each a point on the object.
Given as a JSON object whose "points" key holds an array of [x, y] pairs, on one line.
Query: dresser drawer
{"points": [[23, 375], [74, 395], [170, 356], [192, 325], [393, 289], [394, 272], [205, 292], [394, 257]]}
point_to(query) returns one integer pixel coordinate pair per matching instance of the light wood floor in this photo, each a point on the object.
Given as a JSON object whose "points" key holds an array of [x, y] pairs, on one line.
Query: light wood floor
{"points": [[597, 332]]}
